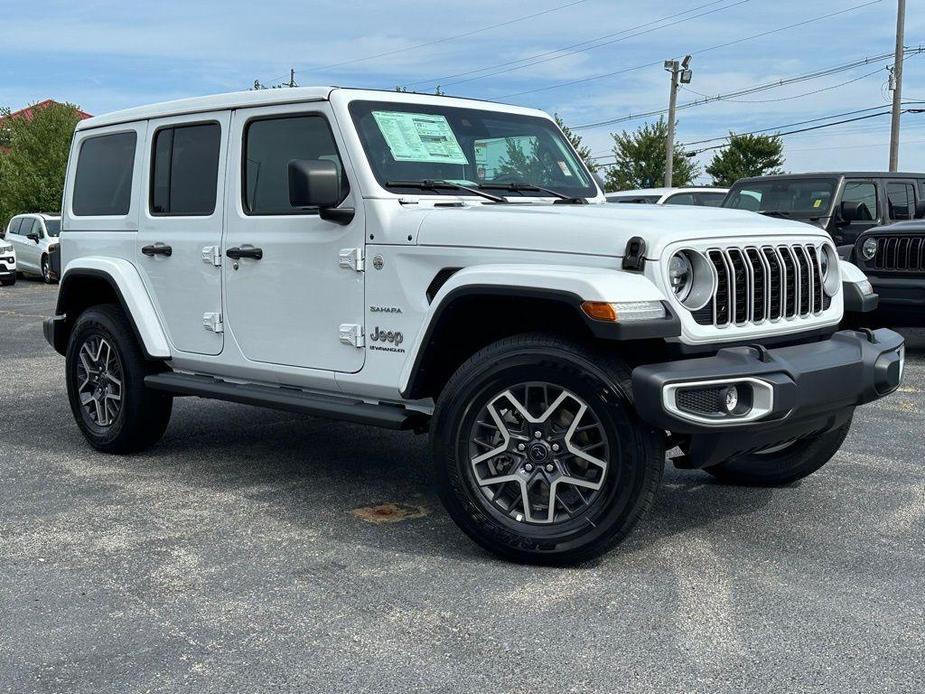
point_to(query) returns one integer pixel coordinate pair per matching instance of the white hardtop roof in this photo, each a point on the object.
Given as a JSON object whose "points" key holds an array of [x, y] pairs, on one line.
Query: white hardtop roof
{"points": [[667, 191], [270, 97]]}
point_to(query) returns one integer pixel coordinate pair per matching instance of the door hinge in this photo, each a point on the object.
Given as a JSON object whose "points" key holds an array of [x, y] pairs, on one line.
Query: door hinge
{"points": [[351, 259], [212, 255], [213, 322], [352, 334]]}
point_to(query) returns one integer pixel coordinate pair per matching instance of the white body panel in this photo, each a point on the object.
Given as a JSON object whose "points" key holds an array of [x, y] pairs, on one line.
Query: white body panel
{"points": [[282, 313]]}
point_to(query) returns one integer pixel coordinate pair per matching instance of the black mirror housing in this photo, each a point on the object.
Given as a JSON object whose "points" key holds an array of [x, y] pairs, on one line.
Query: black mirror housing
{"points": [[920, 209], [850, 211], [314, 183]]}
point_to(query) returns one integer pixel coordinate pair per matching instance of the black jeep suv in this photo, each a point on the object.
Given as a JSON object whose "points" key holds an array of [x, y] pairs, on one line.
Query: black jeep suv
{"points": [[893, 258], [844, 204]]}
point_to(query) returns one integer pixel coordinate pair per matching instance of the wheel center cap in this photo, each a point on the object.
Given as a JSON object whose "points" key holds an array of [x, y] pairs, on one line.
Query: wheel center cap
{"points": [[538, 452]]}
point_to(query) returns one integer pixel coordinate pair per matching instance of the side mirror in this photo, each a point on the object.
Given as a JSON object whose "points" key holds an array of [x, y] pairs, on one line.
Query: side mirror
{"points": [[920, 209], [32, 236], [315, 183], [850, 211]]}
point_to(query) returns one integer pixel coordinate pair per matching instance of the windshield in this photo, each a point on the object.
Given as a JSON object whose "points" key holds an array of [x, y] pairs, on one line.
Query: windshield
{"points": [[799, 197], [424, 142], [53, 227]]}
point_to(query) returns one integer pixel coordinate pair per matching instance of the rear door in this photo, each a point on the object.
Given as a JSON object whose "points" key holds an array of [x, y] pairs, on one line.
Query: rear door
{"points": [[180, 227], [28, 250], [901, 197]]}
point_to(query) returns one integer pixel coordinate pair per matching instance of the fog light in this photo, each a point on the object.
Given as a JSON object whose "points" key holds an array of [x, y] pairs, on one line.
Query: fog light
{"points": [[731, 399]]}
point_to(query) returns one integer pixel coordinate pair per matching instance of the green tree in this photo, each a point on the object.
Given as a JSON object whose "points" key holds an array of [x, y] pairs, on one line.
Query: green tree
{"points": [[640, 159], [32, 168], [583, 150], [746, 156]]}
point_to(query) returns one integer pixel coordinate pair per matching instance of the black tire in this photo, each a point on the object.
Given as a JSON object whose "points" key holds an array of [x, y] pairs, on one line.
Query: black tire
{"points": [[46, 270], [785, 466], [143, 414], [627, 485], [10, 281]]}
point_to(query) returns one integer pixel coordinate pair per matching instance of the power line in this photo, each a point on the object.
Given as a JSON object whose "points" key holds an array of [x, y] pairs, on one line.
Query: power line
{"points": [[825, 72], [450, 38], [701, 51], [855, 116], [566, 51]]}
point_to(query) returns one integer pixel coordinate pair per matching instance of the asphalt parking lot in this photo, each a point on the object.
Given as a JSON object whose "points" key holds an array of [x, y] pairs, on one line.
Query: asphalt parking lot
{"points": [[232, 557]]}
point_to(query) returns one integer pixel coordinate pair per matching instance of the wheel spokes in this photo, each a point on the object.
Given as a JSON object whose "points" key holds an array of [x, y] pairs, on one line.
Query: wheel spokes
{"points": [[100, 387]]}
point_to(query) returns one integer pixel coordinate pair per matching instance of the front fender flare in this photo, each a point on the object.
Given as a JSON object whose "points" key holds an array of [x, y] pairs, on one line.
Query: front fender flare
{"points": [[568, 284], [126, 283]]}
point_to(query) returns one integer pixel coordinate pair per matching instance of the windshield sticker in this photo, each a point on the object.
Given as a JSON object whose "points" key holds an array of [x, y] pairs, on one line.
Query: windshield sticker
{"points": [[564, 169], [419, 137], [817, 203]]}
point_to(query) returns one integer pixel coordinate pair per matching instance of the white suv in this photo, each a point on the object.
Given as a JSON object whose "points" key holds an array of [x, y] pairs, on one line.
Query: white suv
{"points": [[7, 263], [447, 265], [33, 236]]}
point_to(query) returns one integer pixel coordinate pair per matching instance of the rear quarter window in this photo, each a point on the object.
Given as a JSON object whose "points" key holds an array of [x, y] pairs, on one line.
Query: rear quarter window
{"points": [[103, 181]]}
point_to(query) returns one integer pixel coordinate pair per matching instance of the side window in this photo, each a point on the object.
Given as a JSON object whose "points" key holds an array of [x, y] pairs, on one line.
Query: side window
{"points": [[681, 199], [37, 228], [901, 199], [15, 225], [865, 194], [184, 170], [269, 145], [103, 182]]}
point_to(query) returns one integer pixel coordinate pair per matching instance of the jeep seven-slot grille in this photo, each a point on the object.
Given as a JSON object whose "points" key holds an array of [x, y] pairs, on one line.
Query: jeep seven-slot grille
{"points": [[900, 254], [766, 283]]}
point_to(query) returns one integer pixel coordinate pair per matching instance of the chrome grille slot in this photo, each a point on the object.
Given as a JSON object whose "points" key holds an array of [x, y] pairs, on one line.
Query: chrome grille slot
{"points": [[900, 254], [764, 284]]}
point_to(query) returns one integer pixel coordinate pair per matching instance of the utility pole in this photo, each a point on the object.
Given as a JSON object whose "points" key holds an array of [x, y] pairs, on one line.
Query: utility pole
{"points": [[680, 74], [292, 77], [898, 85]]}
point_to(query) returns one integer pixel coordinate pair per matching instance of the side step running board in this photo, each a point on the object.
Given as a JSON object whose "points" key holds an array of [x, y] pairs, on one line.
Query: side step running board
{"points": [[288, 399]]}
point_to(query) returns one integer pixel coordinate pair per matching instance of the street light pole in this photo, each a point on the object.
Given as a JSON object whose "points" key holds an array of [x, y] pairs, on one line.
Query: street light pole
{"points": [[680, 74], [898, 85]]}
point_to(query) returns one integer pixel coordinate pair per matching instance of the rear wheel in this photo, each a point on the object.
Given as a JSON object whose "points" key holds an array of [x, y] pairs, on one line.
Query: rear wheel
{"points": [[105, 372], [538, 454], [783, 464]]}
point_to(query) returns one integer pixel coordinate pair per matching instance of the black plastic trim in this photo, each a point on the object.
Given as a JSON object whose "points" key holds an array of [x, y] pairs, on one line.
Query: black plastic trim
{"points": [[641, 330], [289, 400], [61, 329], [816, 386], [858, 302]]}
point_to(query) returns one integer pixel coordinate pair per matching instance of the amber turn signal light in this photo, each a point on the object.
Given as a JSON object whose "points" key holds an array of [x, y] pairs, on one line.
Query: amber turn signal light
{"points": [[600, 310]]}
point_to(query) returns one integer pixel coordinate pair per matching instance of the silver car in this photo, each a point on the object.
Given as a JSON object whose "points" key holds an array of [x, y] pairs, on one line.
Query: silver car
{"points": [[32, 237]]}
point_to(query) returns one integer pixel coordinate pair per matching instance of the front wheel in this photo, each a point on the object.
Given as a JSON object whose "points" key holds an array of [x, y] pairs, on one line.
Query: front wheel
{"points": [[783, 464], [9, 281], [537, 452], [105, 371], [46, 270]]}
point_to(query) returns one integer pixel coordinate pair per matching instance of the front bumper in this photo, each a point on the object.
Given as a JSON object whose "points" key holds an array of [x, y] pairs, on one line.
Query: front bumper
{"points": [[795, 391]]}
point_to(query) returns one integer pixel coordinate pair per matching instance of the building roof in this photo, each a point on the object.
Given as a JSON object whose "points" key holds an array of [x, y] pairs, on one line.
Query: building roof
{"points": [[28, 113]]}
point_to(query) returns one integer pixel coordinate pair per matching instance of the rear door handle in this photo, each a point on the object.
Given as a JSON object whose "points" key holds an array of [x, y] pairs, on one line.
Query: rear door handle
{"points": [[237, 253], [157, 249]]}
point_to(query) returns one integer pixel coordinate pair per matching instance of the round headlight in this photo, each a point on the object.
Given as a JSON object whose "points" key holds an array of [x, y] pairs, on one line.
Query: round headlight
{"points": [[869, 249], [681, 275], [828, 263]]}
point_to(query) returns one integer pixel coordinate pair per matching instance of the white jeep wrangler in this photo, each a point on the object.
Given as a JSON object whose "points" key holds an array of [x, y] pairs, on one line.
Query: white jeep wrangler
{"points": [[448, 265]]}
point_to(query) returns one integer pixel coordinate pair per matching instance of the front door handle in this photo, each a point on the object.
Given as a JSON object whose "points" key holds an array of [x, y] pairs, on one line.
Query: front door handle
{"points": [[237, 253], [157, 249]]}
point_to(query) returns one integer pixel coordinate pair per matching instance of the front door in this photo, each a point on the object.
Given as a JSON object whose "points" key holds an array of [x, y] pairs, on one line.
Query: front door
{"points": [[180, 230], [288, 296], [866, 194]]}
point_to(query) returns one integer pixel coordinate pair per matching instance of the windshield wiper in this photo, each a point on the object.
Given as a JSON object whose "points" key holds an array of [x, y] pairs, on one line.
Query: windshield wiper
{"points": [[529, 187], [444, 185], [774, 213]]}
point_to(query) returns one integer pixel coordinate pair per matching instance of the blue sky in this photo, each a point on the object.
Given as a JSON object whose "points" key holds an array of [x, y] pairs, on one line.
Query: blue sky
{"points": [[106, 55]]}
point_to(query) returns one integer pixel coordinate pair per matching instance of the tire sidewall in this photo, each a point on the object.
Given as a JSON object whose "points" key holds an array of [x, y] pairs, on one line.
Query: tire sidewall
{"points": [[96, 322], [617, 507]]}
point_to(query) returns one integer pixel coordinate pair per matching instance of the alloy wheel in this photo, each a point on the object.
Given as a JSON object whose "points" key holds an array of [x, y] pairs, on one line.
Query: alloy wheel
{"points": [[539, 453], [99, 376]]}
